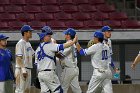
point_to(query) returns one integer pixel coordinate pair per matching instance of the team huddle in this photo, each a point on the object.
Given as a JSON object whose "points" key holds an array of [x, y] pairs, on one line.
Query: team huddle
{"points": [[46, 56]]}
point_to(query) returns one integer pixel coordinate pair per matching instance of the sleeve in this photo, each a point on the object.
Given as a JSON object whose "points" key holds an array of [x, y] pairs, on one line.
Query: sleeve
{"points": [[88, 51], [57, 47], [19, 49], [10, 54], [66, 51]]}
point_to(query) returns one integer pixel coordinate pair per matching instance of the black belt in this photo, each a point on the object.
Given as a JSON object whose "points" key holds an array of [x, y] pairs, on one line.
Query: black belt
{"points": [[28, 68], [48, 70]]}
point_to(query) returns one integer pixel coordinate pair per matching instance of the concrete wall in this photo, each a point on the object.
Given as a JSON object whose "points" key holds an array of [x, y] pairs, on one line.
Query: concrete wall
{"points": [[82, 34]]}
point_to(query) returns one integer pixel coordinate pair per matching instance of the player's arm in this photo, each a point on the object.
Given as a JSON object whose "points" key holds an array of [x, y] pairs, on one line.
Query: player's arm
{"points": [[136, 61], [88, 51], [113, 65], [19, 58], [70, 43]]}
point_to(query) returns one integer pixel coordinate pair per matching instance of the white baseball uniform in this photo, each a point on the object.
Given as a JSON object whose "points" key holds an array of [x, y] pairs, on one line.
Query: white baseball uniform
{"points": [[69, 76], [25, 50], [100, 58], [45, 88], [46, 65]]}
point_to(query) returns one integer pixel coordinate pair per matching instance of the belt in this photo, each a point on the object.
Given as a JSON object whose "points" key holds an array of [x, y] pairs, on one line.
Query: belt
{"points": [[25, 67], [48, 70], [28, 68]]}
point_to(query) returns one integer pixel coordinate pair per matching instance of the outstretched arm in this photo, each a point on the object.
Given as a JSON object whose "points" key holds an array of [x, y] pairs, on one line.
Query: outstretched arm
{"points": [[136, 61]]}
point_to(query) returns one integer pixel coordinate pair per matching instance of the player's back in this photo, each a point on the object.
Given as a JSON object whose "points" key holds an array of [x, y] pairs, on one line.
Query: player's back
{"points": [[46, 61], [101, 58]]}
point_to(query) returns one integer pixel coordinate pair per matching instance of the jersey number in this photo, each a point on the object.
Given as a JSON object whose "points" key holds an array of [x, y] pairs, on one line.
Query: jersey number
{"points": [[104, 55]]}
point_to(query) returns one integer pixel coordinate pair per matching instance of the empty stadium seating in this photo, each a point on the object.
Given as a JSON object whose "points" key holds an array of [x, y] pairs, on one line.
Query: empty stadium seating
{"points": [[80, 14]]}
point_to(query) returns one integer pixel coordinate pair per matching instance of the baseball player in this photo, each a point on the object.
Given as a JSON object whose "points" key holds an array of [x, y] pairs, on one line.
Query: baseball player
{"points": [[24, 53], [45, 58], [70, 73], [136, 61], [107, 35], [100, 58], [6, 71], [45, 88]]}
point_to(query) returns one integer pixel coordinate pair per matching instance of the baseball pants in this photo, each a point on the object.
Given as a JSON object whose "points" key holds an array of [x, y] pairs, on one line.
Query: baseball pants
{"points": [[22, 85], [69, 77], [100, 80], [6, 86], [50, 80]]}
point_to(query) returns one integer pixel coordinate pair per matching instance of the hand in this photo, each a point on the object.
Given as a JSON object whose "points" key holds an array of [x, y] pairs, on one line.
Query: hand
{"points": [[117, 70], [75, 39], [133, 66], [25, 75]]}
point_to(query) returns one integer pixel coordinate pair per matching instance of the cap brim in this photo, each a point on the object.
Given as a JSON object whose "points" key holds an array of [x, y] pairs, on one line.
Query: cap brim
{"points": [[110, 30], [4, 38], [31, 29], [65, 32]]}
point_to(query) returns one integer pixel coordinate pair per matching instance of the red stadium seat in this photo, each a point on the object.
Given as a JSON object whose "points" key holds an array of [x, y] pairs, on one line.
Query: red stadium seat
{"points": [[32, 9], [1, 9], [81, 16], [50, 2], [81, 2], [44, 16], [118, 16], [18, 2], [56, 24], [87, 8], [25, 17], [112, 23], [4, 2], [100, 16], [7, 17], [51, 8], [13, 9], [75, 24], [69, 8], [63, 16], [106, 8], [96, 2], [93, 24], [16, 25], [4, 26], [37, 24], [65, 2], [131, 24], [34, 2]]}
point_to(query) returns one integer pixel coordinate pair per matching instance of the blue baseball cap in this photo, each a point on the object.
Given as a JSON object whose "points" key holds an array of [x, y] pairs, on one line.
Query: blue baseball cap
{"points": [[46, 29], [3, 37], [43, 34], [70, 31], [106, 28], [98, 34], [26, 28]]}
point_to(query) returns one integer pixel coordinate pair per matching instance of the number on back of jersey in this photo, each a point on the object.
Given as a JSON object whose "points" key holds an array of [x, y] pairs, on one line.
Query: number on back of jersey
{"points": [[104, 55]]}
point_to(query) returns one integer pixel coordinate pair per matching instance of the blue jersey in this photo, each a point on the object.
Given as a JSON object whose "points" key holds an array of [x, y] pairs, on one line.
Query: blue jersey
{"points": [[5, 65]]}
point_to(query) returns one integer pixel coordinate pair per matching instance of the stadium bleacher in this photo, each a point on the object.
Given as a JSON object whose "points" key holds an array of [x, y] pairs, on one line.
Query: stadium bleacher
{"points": [[74, 13]]}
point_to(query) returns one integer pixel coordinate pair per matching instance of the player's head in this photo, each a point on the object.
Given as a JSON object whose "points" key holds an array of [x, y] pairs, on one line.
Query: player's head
{"points": [[3, 40], [46, 29], [70, 32], [46, 34], [98, 36], [26, 30], [107, 31]]}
